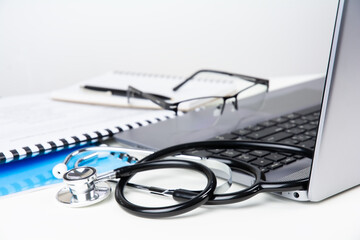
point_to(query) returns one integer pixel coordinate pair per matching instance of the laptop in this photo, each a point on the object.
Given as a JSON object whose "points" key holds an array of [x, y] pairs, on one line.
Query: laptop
{"points": [[321, 115]]}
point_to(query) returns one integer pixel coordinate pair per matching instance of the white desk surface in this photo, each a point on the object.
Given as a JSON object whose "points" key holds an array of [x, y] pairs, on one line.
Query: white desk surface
{"points": [[37, 215]]}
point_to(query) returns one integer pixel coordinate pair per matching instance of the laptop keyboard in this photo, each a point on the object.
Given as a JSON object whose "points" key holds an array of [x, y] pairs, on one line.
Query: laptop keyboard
{"points": [[298, 128]]}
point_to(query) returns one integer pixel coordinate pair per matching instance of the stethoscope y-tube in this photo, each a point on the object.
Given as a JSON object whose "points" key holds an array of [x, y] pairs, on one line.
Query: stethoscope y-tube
{"points": [[196, 200]]}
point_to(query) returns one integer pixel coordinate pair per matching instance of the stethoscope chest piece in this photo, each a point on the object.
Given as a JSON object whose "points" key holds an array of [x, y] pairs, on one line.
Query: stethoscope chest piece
{"points": [[82, 188]]}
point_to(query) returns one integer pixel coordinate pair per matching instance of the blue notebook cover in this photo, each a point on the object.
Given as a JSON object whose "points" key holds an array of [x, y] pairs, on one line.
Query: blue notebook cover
{"points": [[36, 172]]}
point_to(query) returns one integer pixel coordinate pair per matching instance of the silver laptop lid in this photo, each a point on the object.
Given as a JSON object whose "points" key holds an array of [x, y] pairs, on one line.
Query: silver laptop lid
{"points": [[336, 164]]}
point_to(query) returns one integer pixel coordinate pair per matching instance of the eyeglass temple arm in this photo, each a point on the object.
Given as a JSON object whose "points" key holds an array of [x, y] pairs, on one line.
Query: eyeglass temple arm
{"points": [[245, 77], [158, 101]]}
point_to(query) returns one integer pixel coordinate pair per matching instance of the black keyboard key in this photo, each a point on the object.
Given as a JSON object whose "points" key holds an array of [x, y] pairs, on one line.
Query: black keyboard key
{"points": [[264, 132], [277, 137], [316, 123], [243, 138], [280, 120], [259, 153], [261, 162], [275, 165], [255, 128], [241, 132], [301, 137], [311, 117], [216, 151], [275, 157], [308, 127], [225, 137], [292, 116], [287, 154], [287, 125], [243, 150], [288, 160], [230, 153], [295, 130], [298, 121], [267, 124], [246, 158], [307, 144], [289, 141], [229, 136], [312, 133], [199, 153]]}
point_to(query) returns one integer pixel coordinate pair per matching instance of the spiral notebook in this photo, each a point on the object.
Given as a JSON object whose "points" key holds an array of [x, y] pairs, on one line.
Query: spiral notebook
{"points": [[151, 83], [36, 172], [33, 125]]}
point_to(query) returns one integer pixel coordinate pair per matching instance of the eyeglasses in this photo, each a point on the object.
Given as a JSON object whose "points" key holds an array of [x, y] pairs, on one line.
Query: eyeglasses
{"points": [[252, 86]]}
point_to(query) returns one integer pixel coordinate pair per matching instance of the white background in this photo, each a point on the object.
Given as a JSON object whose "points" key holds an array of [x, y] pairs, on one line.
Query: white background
{"points": [[49, 44], [46, 44]]}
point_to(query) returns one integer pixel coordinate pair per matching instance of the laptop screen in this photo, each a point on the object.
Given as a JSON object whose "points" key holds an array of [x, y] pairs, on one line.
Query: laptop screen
{"points": [[336, 161]]}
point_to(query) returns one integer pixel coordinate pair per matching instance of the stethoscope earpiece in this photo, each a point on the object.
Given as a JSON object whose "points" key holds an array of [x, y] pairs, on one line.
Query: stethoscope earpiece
{"points": [[59, 170], [82, 188]]}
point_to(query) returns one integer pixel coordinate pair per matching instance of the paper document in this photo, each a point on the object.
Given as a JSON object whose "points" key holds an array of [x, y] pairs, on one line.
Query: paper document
{"points": [[34, 124], [155, 84]]}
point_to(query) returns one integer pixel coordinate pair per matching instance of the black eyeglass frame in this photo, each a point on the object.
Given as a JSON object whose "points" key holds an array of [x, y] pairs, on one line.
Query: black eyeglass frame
{"points": [[174, 106]]}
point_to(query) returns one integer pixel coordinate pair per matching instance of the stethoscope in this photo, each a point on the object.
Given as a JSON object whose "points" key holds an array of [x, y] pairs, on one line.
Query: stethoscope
{"points": [[84, 186]]}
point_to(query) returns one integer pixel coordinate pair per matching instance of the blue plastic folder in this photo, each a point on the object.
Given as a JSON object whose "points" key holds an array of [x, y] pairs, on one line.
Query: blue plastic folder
{"points": [[36, 172]]}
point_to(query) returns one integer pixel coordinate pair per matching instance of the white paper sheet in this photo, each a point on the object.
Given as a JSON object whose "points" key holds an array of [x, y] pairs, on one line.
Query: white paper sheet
{"points": [[33, 119]]}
